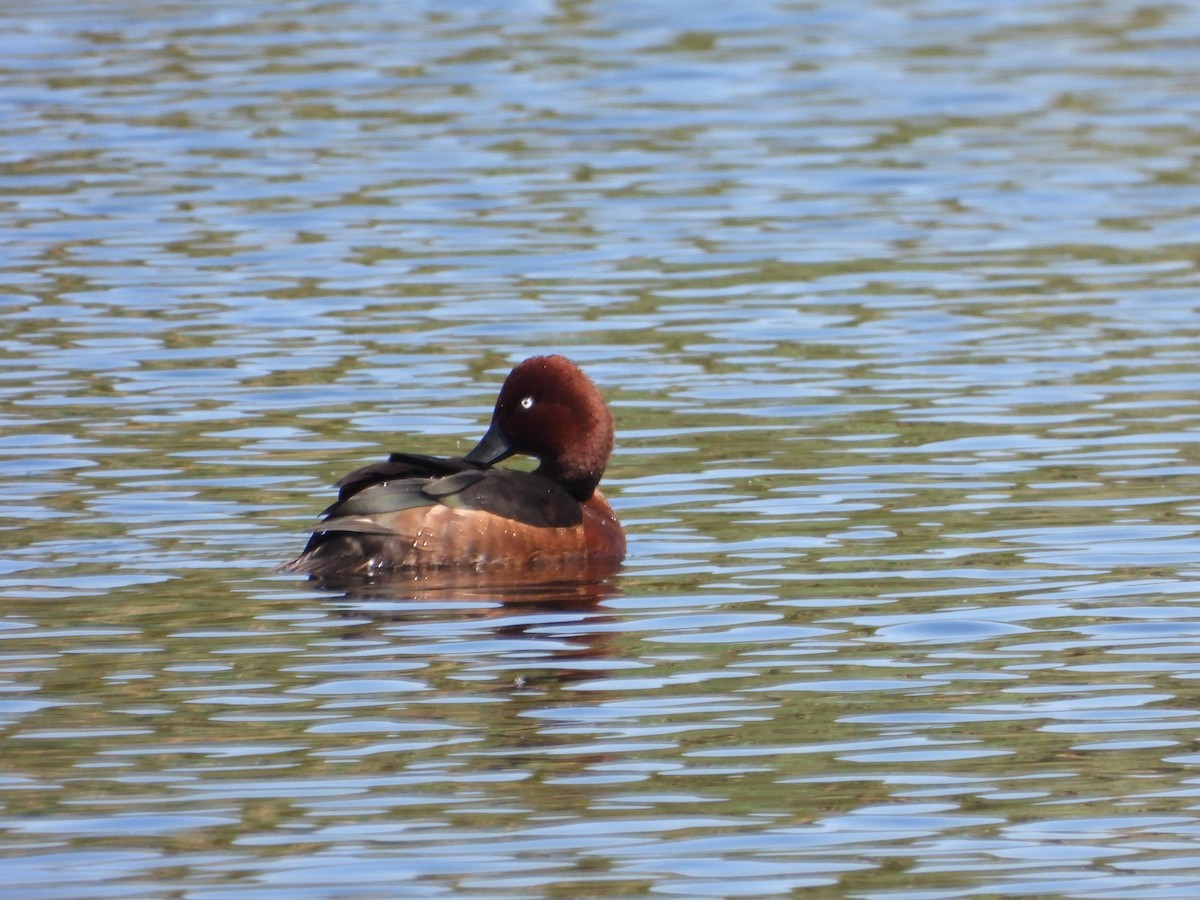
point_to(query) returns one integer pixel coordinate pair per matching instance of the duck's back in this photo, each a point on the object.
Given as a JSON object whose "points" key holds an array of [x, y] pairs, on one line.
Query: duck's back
{"points": [[416, 513]]}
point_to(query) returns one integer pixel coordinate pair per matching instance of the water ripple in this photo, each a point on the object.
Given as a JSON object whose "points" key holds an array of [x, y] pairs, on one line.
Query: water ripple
{"points": [[895, 308]]}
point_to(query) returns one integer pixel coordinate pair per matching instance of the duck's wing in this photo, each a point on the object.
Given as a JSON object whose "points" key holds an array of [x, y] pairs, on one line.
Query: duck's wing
{"points": [[524, 497], [398, 466], [373, 493], [412, 512]]}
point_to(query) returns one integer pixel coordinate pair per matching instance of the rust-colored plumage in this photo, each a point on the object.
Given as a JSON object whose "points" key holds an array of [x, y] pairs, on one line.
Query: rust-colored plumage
{"points": [[418, 514]]}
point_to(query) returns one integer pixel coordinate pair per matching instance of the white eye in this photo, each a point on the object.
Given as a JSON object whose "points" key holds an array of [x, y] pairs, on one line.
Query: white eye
{"points": [[526, 403]]}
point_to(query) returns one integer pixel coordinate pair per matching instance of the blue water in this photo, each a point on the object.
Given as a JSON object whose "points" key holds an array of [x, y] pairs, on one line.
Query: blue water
{"points": [[896, 308]]}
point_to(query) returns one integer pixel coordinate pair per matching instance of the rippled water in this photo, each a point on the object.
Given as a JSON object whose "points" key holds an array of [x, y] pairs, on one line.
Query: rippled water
{"points": [[896, 303]]}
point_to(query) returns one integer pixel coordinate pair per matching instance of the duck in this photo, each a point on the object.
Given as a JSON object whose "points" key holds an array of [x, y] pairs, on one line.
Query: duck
{"points": [[416, 514]]}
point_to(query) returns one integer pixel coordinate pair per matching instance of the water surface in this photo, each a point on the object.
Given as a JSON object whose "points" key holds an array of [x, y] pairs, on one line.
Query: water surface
{"points": [[895, 304]]}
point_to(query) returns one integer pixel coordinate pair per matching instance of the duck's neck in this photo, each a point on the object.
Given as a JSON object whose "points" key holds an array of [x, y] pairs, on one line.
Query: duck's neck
{"points": [[579, 484]]}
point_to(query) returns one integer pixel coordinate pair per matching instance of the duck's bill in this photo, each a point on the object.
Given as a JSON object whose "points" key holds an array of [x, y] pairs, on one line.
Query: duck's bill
{"points": [[492, 448]]}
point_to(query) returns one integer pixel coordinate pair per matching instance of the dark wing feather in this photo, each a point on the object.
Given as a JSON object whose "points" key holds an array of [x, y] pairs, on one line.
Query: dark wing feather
{"points": [[376, 498], [409, 480], [453, 484], [433, 465], [401, 465], [357, 525], [522, 496]]}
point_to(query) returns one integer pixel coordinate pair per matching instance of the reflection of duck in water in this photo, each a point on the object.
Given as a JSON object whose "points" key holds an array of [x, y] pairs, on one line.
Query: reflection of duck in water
{"points": [[513, 634], [424, 516], [550, 588]]}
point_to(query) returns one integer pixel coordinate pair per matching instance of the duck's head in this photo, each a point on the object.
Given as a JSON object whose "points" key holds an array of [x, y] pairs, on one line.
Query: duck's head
{"points": [[550, 410]]}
